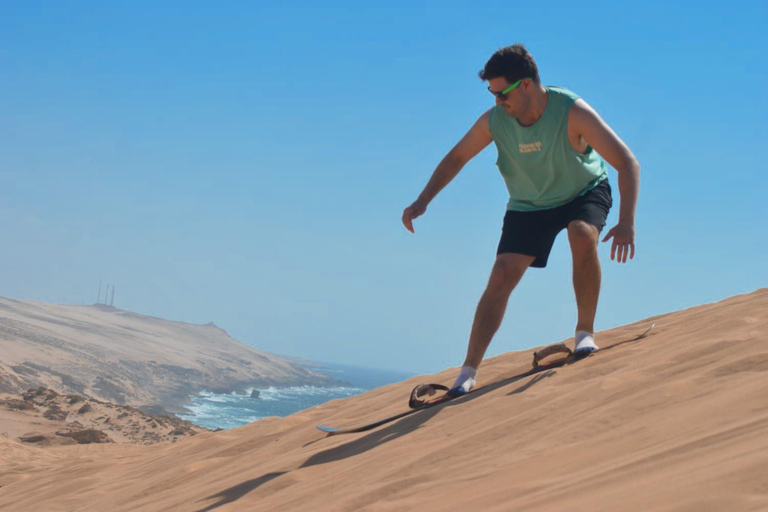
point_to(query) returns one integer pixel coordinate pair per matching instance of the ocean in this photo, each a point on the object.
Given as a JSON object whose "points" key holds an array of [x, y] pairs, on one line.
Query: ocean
{"points": [[212, 410]]}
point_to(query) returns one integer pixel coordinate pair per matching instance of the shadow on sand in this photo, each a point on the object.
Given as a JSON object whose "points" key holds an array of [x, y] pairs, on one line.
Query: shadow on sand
{"points": [[238, 491], [399, 428]]}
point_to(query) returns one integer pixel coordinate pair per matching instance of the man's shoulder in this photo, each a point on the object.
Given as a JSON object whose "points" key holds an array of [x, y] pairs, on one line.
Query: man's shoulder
{"points": [[495, 115], [493, 111], [563, 93]]}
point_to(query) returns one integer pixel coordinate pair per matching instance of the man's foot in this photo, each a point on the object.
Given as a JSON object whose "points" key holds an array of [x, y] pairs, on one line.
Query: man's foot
{"points": [[585, 344], [464, 382]]}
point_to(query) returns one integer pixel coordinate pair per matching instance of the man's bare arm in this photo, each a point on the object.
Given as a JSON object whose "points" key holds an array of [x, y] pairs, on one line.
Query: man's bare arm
{"points": [[477, 138], [604, 140]]}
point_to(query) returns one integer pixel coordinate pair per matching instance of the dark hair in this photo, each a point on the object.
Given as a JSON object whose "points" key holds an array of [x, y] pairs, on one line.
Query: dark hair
{"points": [[513, 63]]}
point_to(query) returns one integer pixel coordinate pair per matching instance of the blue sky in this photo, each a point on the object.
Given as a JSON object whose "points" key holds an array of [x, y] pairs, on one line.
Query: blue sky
{"points": [[247, 163]]}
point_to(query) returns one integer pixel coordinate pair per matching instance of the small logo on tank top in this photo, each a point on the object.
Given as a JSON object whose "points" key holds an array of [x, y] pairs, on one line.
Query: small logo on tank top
{"points": [[530, 148]]}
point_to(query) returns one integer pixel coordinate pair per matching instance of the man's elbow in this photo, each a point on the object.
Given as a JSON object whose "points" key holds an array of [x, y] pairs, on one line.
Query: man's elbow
{"points": [[630, 166]]}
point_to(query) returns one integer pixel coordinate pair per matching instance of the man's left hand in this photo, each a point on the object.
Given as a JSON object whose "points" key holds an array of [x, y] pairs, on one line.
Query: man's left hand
{"points": [[623, 235]]}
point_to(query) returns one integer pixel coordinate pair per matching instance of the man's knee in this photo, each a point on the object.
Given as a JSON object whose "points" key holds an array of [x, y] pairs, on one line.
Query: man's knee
{"points": [[508, 269], [582, 236]]}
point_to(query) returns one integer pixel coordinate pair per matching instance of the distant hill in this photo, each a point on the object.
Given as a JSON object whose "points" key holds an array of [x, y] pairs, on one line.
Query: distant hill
{"points": [[114, 355]]}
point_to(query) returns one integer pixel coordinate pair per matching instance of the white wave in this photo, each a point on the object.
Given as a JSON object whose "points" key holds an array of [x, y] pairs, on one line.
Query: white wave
{"points": [[202, 410], [311, 391], [232, 410]]}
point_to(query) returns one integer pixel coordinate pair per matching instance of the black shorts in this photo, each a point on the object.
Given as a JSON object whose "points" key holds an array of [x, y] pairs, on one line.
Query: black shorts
{"points": [[534, 233]]}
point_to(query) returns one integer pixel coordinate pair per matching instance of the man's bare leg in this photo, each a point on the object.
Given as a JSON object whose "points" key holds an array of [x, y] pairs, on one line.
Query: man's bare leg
{"points": [[583, 238], [507, 272]]}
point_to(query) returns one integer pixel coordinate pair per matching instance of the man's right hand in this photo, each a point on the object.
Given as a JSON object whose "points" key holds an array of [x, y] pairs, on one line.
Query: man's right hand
{"points": [[417, 209]]}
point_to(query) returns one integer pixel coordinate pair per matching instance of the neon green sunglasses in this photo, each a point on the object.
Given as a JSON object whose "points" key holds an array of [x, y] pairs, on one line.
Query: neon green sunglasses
{"points": [[503, 94]]}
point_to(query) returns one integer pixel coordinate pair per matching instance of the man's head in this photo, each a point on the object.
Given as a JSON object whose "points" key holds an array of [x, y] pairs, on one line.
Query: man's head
{"points": [[512, 69]]}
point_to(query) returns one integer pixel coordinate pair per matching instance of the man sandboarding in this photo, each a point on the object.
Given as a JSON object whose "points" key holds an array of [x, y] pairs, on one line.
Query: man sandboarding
{"points": [[550, 143]]}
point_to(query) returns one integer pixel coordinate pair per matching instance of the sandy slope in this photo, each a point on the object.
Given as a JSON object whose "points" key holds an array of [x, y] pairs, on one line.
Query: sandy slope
{"points": [[676, 421], [44, 417], [126, 358]]}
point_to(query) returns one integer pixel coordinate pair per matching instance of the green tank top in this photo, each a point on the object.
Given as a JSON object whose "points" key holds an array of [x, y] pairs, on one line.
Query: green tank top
{"points": [[539, 166]]}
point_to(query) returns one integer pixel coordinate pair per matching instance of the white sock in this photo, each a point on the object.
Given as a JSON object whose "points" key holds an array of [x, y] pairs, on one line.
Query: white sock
{"points": [[585, 341], [466, 379]]}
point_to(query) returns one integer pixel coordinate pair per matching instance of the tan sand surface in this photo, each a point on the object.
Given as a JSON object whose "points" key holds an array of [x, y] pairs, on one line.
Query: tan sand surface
{"points": [[675, 421], [44, 417]]}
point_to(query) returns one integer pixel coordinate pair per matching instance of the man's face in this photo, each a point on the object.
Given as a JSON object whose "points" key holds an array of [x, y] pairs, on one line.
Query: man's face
{"points": [[518, 99]]}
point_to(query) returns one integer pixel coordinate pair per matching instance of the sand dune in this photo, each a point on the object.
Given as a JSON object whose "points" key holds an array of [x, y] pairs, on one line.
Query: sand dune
{"points": [[44, 417], [675, 421]]}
